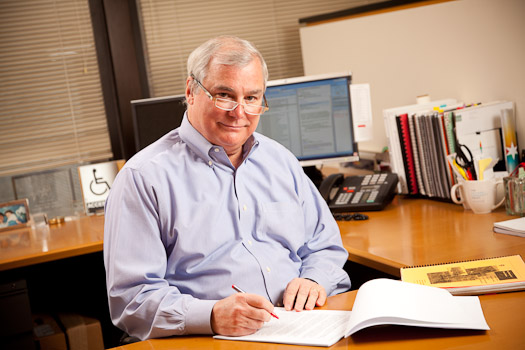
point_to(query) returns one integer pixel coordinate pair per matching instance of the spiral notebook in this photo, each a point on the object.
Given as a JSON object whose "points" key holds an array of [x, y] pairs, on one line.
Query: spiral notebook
{"points": [[474, 277]]}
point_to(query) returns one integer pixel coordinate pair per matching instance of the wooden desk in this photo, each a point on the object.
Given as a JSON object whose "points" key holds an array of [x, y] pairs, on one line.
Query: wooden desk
{"points": [[505, 314], [81, 236], [421, 231], [407, 232]]}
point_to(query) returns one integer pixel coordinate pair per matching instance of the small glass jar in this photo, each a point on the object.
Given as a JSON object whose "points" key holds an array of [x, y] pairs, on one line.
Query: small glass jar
{"points": [[514, 195]]}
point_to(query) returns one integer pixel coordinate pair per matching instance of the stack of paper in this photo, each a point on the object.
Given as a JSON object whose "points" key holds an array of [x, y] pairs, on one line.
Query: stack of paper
{"points": [[515, 227]]}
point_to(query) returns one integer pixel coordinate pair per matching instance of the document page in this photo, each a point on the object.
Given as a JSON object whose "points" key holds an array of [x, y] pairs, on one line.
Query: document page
{"points": [[314, 328], [413, 305], [378, 302]]}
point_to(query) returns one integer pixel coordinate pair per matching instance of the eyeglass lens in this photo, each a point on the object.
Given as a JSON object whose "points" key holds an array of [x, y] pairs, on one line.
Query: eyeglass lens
{"points": [[229, 105]]}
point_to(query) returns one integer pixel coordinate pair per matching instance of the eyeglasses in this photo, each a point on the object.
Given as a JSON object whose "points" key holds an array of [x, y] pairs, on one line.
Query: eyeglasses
{"points": [[229, 105], [348, 217]]}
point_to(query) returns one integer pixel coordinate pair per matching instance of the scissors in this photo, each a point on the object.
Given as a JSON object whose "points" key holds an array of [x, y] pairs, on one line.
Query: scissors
{"points": [[464, 159]]}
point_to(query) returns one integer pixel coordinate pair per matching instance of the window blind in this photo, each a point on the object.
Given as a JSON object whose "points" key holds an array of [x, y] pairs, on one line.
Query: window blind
{"points": [[51, 106], [172, 29]]}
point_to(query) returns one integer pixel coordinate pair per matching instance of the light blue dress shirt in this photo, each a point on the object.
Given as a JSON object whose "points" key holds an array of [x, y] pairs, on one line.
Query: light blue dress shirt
{"points": [[182, 225]]}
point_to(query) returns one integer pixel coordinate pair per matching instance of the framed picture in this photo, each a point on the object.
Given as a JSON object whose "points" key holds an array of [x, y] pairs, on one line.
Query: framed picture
{"points": [[14, 214]]}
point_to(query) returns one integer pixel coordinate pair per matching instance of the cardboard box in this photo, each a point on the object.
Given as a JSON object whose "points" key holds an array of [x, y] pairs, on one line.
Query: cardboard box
{"points": [[47, 333], [83, 333]]}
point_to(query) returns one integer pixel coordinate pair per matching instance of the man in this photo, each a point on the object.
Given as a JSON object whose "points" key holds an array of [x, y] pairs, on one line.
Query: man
{"points": [[212, 204]]}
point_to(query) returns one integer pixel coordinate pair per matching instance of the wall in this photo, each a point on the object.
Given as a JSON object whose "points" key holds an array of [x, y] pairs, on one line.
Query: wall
{"points": [[471, 50]]}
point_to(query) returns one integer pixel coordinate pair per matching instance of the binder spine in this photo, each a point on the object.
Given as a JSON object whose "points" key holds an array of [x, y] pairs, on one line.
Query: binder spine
{"points": [[415, 153], [408, 154]]}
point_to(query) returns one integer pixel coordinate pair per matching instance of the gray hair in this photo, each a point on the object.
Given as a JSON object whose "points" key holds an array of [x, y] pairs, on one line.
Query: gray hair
{"points": [[227, 50]]}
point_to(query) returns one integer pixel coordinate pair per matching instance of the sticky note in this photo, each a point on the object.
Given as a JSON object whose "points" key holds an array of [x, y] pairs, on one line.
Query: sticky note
{"points": [[483, 164]]}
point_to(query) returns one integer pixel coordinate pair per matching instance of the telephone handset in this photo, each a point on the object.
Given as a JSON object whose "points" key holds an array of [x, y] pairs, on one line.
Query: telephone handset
{"points": [[358, 193]]}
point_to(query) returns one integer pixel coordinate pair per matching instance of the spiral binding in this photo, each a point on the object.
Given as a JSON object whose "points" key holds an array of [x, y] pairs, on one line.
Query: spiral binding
{"points": [[458, 262]]}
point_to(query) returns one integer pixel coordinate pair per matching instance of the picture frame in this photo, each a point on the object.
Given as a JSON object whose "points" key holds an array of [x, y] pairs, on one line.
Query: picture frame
{"points": [[14, 214]]}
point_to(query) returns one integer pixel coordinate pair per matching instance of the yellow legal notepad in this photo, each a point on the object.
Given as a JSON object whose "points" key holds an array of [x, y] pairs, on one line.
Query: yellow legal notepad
{"points": [[492, 275]]}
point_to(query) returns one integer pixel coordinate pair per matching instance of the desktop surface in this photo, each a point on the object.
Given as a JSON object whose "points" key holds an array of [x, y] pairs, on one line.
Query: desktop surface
{"points": [[421, 231], [407, 232], [504, 312], [81, 236]]}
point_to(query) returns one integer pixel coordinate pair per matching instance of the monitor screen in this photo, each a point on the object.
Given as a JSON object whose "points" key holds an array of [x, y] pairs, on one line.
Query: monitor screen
{"points": [[155, 117], [312, 117]]}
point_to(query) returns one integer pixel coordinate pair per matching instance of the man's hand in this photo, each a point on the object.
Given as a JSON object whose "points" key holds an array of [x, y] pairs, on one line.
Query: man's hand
{"points": [[240, 314], [305, 294]]}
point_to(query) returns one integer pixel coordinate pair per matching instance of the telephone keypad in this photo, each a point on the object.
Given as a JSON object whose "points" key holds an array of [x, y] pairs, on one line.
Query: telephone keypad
{"points": [[343, 198]]}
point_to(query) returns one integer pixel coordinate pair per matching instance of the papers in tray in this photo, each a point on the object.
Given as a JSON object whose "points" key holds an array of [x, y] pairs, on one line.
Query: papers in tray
{"points": [[378, 302]]}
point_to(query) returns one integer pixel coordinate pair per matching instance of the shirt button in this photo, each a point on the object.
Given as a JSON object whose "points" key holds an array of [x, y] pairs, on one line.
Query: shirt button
{"points": [[268, 268], [210, 163], [216, 150], [250, 242], [244, 207]]}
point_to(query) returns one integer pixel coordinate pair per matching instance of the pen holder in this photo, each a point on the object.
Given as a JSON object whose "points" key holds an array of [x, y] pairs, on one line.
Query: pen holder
{"points": [[514, 195]]}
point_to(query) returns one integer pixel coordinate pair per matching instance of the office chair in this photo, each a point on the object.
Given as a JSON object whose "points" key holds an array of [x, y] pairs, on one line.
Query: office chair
{"points": [[127, 339]]}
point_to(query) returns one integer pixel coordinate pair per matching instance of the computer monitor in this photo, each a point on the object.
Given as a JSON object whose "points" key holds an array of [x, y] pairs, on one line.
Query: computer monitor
{"points": [[312, 117], [155, 117]]}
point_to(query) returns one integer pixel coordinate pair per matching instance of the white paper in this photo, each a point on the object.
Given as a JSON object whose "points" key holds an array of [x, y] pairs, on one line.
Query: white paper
{"points": [[484, 144], [378, 302], [512, 225], [314, 327], [413, 305], [361, 111]]}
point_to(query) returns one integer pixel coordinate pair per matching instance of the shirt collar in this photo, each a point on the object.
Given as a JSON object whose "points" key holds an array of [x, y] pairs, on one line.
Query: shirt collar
{"points": [[250, 144], [202, 147]]}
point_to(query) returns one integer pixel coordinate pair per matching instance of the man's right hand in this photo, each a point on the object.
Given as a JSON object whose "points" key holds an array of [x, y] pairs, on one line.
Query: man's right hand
{"points": [[240, 314]]}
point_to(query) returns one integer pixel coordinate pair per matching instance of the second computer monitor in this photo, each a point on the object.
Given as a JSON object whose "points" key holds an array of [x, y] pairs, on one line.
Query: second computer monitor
{"points": [[312, 117], [155, 117]]}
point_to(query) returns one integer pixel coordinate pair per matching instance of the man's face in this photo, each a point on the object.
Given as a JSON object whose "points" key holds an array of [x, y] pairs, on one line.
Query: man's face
{"points": [[229, 129]]}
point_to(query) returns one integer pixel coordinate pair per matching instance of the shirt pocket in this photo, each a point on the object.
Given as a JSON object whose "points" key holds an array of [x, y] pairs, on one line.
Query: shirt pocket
{"points": [[282, 222]]}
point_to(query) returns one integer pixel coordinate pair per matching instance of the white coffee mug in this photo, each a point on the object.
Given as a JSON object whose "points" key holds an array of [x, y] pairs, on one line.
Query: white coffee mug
{"points": [[479, 195], [454, 193]]}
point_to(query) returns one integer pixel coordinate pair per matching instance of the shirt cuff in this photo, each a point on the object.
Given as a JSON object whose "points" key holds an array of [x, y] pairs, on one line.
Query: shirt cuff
{"points": [[319, 279], [198, 317]]}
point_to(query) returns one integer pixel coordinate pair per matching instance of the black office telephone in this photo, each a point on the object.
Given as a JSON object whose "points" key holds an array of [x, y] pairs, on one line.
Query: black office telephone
{"points": [[358, 193]]}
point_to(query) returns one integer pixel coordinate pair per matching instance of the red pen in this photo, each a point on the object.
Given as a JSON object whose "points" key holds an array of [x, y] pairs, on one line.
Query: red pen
{"points": [[469, 174], [241, 291]]}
